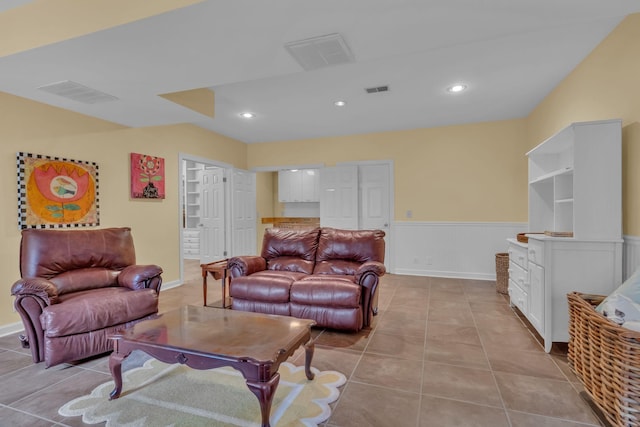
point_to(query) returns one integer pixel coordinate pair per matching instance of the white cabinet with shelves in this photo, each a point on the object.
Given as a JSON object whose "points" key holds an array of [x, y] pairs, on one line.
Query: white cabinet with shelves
{"points": [[298, 185], [192, 208], [574, 188], [575, 181]]}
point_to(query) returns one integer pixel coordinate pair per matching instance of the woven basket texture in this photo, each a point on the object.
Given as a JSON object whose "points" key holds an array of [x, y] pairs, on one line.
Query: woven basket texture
{"points": [[606, 359], [502, 272]]}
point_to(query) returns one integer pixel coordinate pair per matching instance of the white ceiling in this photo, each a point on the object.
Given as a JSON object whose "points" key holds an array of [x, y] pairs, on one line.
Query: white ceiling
{"points": [[510, 53]]}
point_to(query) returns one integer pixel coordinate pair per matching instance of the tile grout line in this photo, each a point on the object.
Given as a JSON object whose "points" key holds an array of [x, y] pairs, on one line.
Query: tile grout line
{"points": [[493, 374]]}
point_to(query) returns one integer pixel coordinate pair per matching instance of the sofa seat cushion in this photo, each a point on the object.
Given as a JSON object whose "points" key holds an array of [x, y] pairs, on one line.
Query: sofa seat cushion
{"points": [[268, 285], [290, 263], [96, 309], [326, 291], [337, 266]]}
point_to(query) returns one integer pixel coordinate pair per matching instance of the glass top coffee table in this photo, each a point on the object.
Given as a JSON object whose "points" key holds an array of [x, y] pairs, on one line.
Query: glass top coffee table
{"points": [[205, 338]]}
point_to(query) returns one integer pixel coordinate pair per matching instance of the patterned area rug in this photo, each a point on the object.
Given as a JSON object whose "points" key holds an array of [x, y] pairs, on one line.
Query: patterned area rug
{"points": [[158, 394]]}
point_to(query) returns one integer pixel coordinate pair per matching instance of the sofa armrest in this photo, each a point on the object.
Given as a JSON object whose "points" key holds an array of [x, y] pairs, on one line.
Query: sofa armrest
{"points": [[368, 276], [246, 265], [33, 294], [370, 267], [141, 277], [37, 287]]}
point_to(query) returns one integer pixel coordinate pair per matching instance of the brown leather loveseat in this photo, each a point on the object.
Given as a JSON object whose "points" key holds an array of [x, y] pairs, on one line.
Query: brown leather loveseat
{"points": [[324, 274], [77, 287]]}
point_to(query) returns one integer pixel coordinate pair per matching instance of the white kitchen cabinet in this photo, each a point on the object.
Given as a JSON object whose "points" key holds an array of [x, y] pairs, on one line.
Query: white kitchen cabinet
{"points": [[298, 185], [558, 266], [575, 196], [191, 243], [518, 287]]}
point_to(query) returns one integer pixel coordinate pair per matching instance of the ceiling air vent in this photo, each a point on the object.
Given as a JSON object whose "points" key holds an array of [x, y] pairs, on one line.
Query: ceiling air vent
{"points": [[377, 89], [319, 52], [77, 92]]}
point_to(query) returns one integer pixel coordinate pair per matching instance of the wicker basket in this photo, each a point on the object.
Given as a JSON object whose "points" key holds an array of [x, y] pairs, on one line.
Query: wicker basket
{"points": [[502, 272], [606, 359]]}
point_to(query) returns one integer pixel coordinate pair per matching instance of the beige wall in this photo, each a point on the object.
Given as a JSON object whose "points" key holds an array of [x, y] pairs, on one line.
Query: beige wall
{"points": [[474, 172], [604, 86], [155, 223]]}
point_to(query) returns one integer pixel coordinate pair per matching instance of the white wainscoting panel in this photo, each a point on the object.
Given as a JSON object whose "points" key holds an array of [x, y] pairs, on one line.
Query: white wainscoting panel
{"points": [[451, 249], [630, 256]]}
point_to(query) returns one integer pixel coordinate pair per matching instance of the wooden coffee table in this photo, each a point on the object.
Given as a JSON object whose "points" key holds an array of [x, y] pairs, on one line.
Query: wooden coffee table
{"points": [[206, 338]]}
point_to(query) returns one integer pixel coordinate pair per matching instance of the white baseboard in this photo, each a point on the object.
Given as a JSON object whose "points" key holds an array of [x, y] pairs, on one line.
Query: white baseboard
{"points": [[170, 285], [448, 274], [11, 328]]}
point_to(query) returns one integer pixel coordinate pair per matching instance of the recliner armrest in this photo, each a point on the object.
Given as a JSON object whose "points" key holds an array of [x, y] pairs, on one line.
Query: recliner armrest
{"points": [[36, 286], [246, 265], [141, 277], [374, 267]]}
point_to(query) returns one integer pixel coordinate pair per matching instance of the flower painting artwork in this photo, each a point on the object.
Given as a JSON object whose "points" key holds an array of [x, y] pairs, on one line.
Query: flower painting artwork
{"points": [[55, 192], [147, 176]]}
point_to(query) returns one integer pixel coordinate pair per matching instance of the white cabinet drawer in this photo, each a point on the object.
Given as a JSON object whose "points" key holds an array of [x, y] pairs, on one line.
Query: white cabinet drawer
{"points": [[518, 275], [536, 251], [518, 255], [191, 245], [519, 298]]}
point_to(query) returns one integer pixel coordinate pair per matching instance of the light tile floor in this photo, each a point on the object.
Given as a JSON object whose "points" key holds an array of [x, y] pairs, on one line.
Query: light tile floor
{"points": [[441, 352]]}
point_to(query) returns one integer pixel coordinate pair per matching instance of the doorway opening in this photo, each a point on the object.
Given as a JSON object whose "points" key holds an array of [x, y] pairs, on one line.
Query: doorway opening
{"points": [[203, 214]]}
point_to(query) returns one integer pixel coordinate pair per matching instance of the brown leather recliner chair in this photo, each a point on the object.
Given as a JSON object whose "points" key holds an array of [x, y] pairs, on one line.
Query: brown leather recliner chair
{"points": [[79, 286]]}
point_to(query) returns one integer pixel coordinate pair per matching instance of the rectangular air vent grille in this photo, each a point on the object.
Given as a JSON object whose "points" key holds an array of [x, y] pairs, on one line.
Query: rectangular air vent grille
{"points": [[377, 89], [319, 52], [77, 92]]}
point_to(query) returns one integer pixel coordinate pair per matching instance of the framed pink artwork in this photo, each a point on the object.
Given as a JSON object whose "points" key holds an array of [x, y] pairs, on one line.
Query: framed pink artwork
{"points": [[147, 176], [54, 192]]}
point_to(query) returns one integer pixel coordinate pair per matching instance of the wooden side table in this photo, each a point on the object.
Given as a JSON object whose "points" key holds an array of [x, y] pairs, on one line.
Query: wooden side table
{"points": [[218, 270]]}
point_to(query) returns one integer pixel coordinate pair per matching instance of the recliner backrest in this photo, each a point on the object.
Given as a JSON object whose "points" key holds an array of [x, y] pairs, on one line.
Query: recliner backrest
{"points": [[290, 250], [48, 253], [343, 251]]}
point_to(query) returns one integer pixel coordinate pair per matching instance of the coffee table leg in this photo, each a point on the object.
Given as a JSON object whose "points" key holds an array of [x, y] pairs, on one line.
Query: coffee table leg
{"points": [[115, 366], [264, 391], [308, 355]]}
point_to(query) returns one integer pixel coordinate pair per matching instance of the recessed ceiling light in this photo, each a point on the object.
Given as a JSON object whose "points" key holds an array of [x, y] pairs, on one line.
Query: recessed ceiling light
{"points": [[340, 103], [456, 88], [247, 115]]}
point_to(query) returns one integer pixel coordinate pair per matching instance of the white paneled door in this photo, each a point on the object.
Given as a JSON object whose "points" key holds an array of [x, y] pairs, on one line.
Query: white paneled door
{"points": [[243, 211], [339, 197], [357, 197], [374, 187], [212, 224]]}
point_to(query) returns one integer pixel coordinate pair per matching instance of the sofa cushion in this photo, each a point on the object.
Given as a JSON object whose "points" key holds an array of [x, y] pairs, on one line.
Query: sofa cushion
{"points": [[300, 244], [90, 310], [279, 308], [271, 286], [85, 278], [290, 263], [343, 318], [349, 246], [334, 291], [337, 266], [47, 253]]}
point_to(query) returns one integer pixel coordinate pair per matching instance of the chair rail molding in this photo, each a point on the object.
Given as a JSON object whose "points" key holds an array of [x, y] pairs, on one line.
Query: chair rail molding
{"points": [[463, 250]]}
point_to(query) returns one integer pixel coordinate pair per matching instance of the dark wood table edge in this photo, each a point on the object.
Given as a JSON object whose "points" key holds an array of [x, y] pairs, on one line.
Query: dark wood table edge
{"points": [[261, 377]]}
